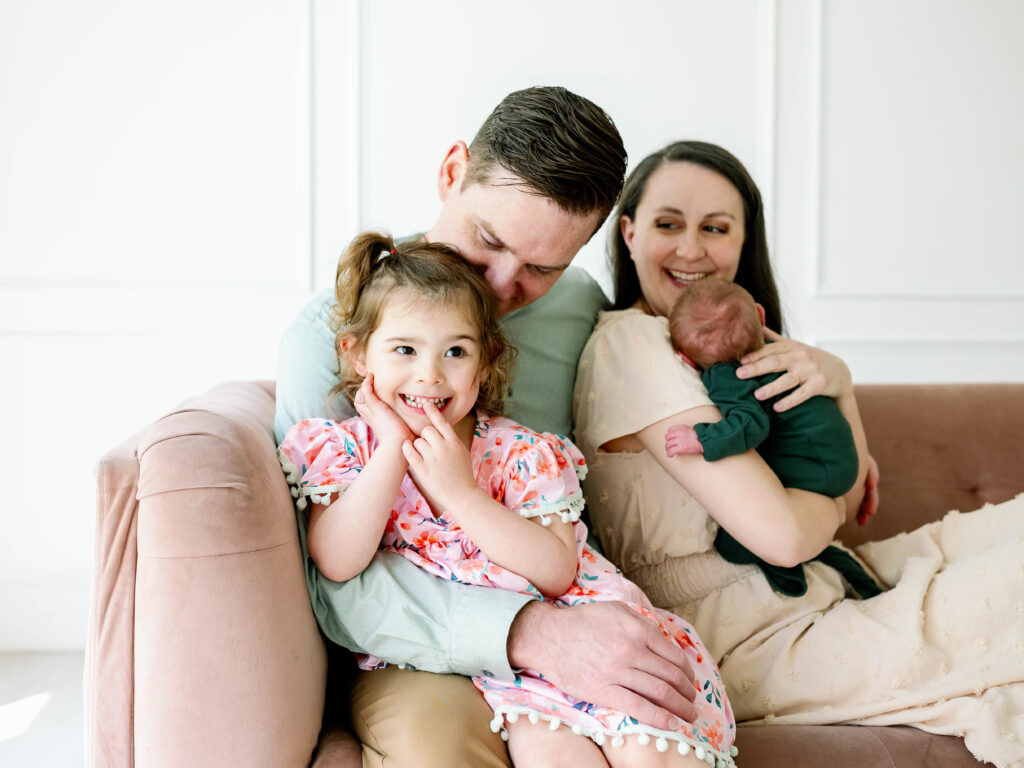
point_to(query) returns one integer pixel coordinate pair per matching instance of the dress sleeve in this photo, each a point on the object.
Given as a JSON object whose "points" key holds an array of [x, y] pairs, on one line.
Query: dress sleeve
{"points": [[629, 378], [321, 458], [542, 477]]}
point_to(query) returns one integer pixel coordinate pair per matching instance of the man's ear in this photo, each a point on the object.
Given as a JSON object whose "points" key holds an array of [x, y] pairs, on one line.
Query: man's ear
{"points": [[626, 228], [453, 169], [356, 359], [760, 313]]}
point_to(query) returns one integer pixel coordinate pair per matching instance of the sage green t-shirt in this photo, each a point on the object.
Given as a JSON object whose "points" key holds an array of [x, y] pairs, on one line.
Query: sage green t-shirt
{"points": [[394, 610]]}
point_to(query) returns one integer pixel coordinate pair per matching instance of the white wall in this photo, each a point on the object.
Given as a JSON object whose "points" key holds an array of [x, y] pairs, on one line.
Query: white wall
{"points": [[176, 178]]}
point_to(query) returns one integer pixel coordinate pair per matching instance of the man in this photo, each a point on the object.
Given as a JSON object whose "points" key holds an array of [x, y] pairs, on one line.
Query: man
{"points": [[519, 202]]}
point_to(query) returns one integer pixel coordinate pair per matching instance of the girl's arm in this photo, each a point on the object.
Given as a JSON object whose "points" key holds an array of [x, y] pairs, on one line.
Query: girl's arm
{"points": [[809, 371], [442, 468], [783, 526], [344, 535]]}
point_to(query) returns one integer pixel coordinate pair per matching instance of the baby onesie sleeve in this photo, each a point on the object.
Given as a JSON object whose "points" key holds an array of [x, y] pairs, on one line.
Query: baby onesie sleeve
{"points": [[542, 477], [745, 423], [321, 458]]}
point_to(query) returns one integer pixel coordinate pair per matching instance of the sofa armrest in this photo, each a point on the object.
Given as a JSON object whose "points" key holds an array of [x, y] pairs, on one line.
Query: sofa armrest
{"points": [[939, 447], [226, 663]]}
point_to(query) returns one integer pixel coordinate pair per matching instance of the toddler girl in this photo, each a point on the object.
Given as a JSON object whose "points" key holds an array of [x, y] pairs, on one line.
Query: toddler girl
{"points": [[428, 470]]}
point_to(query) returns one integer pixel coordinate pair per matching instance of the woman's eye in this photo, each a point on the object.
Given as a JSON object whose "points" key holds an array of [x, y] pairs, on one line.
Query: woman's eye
{"points": [[456, 352], [405, 349], [715, 229], [666, 225]]}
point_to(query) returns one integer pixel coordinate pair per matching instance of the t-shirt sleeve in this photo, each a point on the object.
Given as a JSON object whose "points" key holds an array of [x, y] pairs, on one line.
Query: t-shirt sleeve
{"points": [[630, 377], [321, 458], [550, 334], [542, 477], [307, 369]]}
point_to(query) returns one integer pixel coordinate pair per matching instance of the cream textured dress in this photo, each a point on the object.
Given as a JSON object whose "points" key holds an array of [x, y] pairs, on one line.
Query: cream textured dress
{"points": [[942, 649]]}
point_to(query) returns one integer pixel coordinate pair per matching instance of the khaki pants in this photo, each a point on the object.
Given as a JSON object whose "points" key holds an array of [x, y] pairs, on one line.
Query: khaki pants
{"points": [[420, 719]]}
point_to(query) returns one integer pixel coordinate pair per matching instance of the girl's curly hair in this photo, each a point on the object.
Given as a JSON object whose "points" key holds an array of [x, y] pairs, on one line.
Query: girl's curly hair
{"points": [[374, 266]]}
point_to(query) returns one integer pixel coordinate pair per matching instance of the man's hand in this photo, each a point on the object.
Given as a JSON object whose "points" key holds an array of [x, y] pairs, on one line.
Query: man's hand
{"points": [[607, 654], [681, 439]]}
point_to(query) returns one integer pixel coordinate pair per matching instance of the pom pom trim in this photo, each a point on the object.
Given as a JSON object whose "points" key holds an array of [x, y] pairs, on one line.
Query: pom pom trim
{"points": [[662, 740]]}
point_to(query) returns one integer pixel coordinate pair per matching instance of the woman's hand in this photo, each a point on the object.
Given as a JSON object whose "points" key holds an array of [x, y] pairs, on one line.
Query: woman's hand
{"points": [[809, 371], [440, 464], [869, 506], [387, 425]]}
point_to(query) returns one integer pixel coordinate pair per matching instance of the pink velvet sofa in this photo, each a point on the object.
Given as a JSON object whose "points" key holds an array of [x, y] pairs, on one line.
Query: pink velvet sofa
{"points": [[203, 649]]}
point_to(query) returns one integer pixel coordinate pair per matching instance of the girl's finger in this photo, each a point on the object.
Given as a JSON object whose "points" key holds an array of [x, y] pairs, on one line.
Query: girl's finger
{"points": [[442, 426], [411, 455]]}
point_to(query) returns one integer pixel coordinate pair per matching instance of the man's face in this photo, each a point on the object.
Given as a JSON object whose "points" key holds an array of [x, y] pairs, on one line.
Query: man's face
{"points": [[519, 241]]}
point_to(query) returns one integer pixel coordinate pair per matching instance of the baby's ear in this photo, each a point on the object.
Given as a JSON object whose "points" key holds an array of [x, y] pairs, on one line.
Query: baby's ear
{"points": [[760, 313], [346, 349]]}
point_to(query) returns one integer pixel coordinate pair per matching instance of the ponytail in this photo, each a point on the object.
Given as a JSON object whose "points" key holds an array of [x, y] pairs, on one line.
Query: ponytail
{"points": [[354, 269]]}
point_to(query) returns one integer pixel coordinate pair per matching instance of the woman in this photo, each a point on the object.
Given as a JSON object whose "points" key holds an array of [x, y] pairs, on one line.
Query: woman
{"points": [[944, 638]]}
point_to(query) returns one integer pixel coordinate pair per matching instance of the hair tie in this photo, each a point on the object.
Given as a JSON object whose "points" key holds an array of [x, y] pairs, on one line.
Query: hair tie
{"points": [[384, 254]]}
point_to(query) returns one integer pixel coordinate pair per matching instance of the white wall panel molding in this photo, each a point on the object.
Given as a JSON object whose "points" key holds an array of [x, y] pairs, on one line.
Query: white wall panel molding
{"points": [[766, 72], [898, 171], [338, 120], [931, 362]]}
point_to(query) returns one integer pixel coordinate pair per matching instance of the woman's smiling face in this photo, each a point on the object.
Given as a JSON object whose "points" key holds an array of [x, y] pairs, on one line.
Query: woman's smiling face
{"points": [[689, 225]]}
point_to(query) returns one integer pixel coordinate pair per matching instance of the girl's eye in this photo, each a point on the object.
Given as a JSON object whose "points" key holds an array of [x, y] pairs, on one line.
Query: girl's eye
{"points": [[456, 352], [405, 349]]}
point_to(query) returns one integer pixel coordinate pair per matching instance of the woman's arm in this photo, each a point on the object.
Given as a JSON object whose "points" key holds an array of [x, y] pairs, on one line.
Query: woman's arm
{"points": [[443, 470], [783, 526], [809, 371]]}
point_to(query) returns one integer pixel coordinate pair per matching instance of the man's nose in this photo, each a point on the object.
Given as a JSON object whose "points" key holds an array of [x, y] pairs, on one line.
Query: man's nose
{"points": [[501, 275]]}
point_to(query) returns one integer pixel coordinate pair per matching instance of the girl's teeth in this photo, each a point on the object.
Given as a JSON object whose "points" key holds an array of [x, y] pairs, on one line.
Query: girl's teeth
{"points": [[418, 402]]}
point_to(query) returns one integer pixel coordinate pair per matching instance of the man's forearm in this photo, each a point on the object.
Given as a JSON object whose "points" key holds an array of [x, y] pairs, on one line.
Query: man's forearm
{"points": [[404, 615]]}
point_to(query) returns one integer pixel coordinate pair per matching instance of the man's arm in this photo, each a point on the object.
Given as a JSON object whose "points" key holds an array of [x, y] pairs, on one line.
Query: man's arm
{"points": [[400, 613]]}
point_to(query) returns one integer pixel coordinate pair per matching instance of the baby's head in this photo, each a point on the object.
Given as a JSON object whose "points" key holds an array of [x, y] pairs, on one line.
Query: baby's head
{"points": [[428, 282], [715, 321]]}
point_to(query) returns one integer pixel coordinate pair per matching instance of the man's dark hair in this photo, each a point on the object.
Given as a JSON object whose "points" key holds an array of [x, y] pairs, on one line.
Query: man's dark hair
{"points": [[557, 144]]}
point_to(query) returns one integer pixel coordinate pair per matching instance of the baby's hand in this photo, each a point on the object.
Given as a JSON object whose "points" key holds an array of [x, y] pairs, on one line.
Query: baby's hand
{"points": [[682, 439], [440, 464], [387, 425]]}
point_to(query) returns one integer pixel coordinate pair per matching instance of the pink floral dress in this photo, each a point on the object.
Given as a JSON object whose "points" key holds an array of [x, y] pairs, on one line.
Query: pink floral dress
{"points": [[534, 475]]}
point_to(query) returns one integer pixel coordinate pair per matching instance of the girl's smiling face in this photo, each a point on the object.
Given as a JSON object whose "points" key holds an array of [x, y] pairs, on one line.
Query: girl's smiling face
{"points": [[422, 351], [689, 225]]}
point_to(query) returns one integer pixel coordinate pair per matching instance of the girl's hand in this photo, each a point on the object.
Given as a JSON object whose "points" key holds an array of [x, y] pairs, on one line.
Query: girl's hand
{"points": [[809, 371], [387, 426], [440, 464]]}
